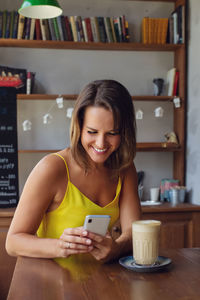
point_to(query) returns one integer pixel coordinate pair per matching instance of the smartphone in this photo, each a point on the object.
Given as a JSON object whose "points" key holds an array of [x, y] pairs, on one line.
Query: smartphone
{"points": [[97, 223]]}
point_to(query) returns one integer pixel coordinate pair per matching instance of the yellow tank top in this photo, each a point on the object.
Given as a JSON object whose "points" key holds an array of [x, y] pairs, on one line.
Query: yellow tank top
{"points": [[73, 209]]}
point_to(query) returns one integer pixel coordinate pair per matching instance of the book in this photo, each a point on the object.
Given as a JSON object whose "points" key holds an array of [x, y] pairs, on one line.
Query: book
{"points": [[42, 28], [145, 30], [175, 27], [47, 30], [21, 22], [32, 29], [181, 23], [15, 25], [95, 29], [89, 29], [64, 29], [155, 34], [12, 13], [150, 31], [27, 28], [119, 29], [69, 29], [79, 28], [74, 29], [8, 21], [108, 29], [164, 28], [1, 23], [122, 22], [60, 29], [113, 29], [127, 37], [175, 87], [55, 24], [52, 30], [38, 33], [24, 31], [171, 30], [4, 24], [85, 31], [116, 27], [170, 81], [102, 30]]}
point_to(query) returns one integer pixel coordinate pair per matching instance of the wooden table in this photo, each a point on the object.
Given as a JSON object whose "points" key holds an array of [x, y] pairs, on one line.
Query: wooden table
{"points": [[43, 279]]}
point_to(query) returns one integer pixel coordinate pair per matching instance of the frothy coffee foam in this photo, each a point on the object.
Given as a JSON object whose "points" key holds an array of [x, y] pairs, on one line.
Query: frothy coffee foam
{"points": [[150, 225]]}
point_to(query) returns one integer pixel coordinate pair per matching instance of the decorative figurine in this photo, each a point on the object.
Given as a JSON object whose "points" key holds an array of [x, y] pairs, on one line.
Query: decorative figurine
{"points": [[158, 86]]}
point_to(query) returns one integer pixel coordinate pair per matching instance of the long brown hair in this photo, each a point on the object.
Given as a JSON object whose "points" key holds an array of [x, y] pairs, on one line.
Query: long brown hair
{"points": [[113, 96]]}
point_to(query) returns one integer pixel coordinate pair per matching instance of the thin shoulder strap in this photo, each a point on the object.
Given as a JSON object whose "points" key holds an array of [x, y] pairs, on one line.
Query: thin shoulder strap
{"points": [[65, 164]]}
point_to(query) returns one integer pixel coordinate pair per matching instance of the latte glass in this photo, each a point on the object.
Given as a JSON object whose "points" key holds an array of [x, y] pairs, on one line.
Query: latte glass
{"points": [[146, 236]]}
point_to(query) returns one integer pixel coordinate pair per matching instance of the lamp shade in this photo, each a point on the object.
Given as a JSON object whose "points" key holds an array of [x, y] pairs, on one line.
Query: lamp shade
{"points": [[40, 9]]}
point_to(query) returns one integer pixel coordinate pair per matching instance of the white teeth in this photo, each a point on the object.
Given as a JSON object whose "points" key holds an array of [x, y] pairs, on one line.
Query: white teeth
{"points": [[99, 150]]}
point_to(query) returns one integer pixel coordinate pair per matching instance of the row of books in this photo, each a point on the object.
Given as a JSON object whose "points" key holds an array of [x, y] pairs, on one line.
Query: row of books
{"points": [[165, 30], [65, 28], [154, 30]]}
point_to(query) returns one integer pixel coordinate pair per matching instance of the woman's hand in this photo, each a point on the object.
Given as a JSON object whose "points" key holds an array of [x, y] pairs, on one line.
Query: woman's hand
{"points": [[74, 241], [104, 247]]}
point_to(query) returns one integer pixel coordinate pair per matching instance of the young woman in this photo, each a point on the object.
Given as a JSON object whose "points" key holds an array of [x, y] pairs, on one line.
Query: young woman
{"points": [[96, 175]]}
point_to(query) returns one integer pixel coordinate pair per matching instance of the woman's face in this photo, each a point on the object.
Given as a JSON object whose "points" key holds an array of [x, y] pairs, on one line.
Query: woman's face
{"points": [[98, 137]]}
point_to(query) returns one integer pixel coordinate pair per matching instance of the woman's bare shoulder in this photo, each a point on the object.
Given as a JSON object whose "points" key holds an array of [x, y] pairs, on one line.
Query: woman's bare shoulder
{"points": [[129, 171], [50, 165]]}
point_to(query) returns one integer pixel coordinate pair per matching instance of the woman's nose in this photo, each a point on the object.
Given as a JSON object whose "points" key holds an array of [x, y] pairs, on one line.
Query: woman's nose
{"points": [[100, 141]]}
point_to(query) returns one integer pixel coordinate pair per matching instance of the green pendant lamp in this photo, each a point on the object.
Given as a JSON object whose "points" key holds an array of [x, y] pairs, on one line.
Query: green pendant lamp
{"points": [[40, 9]]}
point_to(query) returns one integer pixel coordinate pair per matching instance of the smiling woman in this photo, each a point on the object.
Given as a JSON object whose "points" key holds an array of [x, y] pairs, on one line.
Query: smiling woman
{"points": [[95, 176], [115, 98]]}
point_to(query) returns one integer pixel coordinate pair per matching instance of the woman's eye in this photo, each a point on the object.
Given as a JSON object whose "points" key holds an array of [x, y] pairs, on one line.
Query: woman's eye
{"points": [[91, 132], [113, 133]]}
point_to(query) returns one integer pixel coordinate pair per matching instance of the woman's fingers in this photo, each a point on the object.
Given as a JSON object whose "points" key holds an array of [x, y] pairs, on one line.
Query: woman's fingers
{"points": [[69, 245]]}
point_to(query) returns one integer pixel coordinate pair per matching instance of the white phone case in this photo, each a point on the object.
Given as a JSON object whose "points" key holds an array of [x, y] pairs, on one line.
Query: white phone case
{"points": [[97, 223]]}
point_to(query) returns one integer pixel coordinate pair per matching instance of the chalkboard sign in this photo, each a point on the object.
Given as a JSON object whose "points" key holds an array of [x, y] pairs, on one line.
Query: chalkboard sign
{"points": [[9, 194]]}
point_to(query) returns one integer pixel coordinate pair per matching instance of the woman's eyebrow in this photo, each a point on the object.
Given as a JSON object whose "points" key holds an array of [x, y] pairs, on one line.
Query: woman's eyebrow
{"points": [[111, 130], [91, 128]]}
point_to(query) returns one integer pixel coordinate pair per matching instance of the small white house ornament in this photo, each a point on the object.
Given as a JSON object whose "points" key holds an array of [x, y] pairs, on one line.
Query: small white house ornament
{"points": [[59, 102], [69, 112], [158, 112], [27, 125], [139, 114], [47, 119]]}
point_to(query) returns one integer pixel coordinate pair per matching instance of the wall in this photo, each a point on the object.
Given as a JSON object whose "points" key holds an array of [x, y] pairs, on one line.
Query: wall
{"points": [[193, 113], [67, 71]]}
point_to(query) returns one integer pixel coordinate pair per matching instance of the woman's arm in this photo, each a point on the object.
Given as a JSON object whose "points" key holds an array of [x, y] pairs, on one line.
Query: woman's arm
{"points": [[41, 192], [130, 210]]}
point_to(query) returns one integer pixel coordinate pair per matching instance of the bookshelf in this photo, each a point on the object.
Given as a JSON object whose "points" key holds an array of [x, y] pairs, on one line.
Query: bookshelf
{"points": [[177, 50], [88, 45]]}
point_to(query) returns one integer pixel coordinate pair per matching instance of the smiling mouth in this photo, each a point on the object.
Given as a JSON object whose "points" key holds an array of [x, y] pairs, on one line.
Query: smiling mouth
{"points": [[99, 150]]}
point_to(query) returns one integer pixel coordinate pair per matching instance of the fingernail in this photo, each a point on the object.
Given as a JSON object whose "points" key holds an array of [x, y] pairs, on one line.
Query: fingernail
{"points": [[84, 233], [88, 241]]}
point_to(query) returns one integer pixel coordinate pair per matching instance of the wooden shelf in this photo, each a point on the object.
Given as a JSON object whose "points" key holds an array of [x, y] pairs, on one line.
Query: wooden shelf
{"points": [[162, 146], [88, 45], [74, 97], [38, 151], [45, 97]]}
